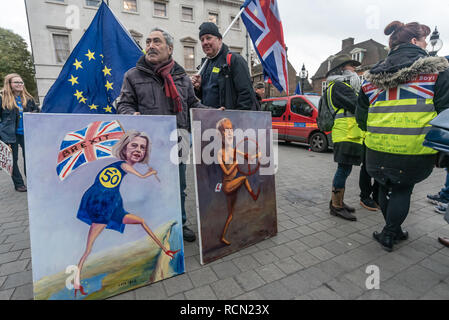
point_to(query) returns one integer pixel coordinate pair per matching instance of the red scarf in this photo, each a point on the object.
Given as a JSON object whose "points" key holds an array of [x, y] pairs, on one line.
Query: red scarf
{"points": [[170, 89]]}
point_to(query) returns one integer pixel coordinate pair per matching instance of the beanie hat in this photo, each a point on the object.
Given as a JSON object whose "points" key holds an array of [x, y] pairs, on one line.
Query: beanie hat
{"points": [[209, 28]]}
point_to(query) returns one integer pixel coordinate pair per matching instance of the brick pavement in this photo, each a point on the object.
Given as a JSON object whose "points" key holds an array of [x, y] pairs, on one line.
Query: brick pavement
{"points": [[314, 255]]}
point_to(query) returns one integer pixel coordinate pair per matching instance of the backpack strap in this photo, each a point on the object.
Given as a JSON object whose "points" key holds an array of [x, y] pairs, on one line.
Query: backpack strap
{"points": [[329, 98], [228, 59]]}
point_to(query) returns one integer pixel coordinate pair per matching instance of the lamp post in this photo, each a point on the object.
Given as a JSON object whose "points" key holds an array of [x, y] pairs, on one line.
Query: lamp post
{"points": [[435, 43], [303, 74]]}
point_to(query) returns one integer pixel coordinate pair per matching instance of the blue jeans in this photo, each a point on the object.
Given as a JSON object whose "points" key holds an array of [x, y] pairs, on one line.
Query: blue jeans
{"points": [[444, 193], [342, 174], [183, 185]]}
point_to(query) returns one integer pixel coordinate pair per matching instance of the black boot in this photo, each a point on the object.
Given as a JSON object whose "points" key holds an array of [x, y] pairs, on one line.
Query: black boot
{"points": [[385, 238], [401, 235]]}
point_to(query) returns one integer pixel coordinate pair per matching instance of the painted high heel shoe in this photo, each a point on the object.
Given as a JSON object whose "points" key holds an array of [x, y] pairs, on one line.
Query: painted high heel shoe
{"points": [[81, 289], [171, 254], [255, 196]]}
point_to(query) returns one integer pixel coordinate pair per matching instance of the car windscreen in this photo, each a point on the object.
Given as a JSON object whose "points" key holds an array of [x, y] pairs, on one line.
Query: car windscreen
{"points": [[315, 100], [276, 107]]}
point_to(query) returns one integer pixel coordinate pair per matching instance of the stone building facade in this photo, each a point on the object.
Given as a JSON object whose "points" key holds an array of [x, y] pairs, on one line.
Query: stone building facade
{"points": [[56, 26]]}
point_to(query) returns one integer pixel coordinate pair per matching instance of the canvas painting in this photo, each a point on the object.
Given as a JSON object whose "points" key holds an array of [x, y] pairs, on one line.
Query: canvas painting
{"points": [[234, 163], [104, 204]]}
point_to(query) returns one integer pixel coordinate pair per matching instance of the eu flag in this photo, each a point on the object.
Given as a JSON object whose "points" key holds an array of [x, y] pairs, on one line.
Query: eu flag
{"points": [[92, 76]]}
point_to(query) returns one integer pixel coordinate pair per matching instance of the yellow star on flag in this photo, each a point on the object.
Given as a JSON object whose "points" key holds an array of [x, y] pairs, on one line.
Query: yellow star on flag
{"points": [[77, 64], [108, 85], [93, 107], [90, 55], [78, 94], [107, 71], [108, 109], [83, 100], [73, 80]]}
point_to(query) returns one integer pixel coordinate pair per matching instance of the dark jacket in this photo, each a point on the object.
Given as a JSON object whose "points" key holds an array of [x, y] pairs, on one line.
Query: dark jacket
{"points": [[9, 120], [403, 63], [224, 86], [346, 98], [143, 91]]}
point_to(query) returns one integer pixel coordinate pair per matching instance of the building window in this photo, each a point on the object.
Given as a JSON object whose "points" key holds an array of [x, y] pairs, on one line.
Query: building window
{"points": [[93, 3], [236, 25], [62, 47], [213, 17], [236, 50], [358, 56], [130, 5], [189, 58], [187, 13], [323, 86], [160, 9]]}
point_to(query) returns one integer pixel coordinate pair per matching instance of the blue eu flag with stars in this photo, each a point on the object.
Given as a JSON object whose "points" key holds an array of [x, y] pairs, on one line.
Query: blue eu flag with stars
{"points": [[92, 76]]}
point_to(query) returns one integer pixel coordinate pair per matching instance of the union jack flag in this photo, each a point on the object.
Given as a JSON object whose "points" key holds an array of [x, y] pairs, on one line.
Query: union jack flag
{"points": [[88, 144], [420, 87], [262, 20]]}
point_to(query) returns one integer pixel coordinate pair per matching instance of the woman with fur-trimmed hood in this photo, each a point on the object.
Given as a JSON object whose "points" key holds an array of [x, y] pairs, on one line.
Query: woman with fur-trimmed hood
{"points": [[399, 98]]}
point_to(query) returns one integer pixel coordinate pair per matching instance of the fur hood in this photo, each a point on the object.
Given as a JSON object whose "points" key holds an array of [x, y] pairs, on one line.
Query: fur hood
{"points": [[402, 65]]}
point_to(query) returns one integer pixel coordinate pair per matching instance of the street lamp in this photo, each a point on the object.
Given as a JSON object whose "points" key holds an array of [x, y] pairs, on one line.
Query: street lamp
{"points": [[435, 43], [303, 74]]}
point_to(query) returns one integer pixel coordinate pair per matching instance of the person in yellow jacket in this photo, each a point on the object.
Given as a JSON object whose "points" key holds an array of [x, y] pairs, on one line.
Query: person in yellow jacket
{"points": [[399, 98], [343, 86]]}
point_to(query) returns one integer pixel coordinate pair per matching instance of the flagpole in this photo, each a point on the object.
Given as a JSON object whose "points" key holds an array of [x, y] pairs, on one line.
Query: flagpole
{"points": [[224, 34]]}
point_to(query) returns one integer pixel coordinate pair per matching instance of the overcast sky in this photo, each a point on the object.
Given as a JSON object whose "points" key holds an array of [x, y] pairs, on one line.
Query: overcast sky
{"points": [[314, 30]]}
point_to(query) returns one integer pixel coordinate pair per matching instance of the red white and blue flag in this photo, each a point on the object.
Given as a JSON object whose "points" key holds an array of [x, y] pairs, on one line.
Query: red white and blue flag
{"points": [[88, 144], [420, 87], [262, 20]]}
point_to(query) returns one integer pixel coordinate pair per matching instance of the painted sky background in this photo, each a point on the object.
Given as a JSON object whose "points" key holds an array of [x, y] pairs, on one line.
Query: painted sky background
{"points": [[314, 30], [58, 238]]}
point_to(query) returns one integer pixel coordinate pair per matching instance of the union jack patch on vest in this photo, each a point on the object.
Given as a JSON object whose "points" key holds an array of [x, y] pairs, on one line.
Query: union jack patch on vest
{"points": [[420, 87]]}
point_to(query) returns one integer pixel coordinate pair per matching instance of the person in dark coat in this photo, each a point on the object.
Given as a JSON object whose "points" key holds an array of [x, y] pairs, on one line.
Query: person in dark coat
{"points": [[160, 86], [259, 89], [223, 83], [399, 98], [14, 101]]}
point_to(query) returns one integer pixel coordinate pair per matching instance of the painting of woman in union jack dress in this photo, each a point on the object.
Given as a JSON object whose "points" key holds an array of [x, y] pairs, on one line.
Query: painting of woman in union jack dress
{"points": [[108, 219], [102, 205]]}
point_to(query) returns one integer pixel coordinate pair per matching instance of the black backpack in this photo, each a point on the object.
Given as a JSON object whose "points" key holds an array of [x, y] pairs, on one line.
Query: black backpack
{"points": [[228, 71], [326, 113]]}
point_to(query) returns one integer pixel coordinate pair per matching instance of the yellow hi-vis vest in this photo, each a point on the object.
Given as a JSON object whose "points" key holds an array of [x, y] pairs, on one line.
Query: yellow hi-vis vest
{"points": [[345, 127], [398, 126]]}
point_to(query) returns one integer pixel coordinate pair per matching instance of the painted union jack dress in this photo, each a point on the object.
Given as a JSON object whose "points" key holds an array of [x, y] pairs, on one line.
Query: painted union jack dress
{"points": [[102, 202]]}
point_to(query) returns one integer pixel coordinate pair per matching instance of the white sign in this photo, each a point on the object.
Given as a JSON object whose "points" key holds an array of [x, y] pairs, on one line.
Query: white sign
{"points": [[5, 158]]}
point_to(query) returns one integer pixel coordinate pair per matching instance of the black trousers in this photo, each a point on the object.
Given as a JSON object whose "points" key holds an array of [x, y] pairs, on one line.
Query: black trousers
{"points": [[16, 176], [367, 187], [394, 201], [395, 190]]}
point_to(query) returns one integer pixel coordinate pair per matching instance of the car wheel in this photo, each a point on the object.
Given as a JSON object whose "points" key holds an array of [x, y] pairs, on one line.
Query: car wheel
{"points": [[318, 142]]}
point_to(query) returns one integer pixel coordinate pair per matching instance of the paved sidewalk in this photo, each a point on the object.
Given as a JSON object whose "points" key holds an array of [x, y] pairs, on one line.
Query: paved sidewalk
{"points": [[314, 255]]}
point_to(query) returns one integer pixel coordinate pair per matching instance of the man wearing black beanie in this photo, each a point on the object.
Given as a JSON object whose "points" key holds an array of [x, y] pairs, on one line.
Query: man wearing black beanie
{"points": [[225, 81]]}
